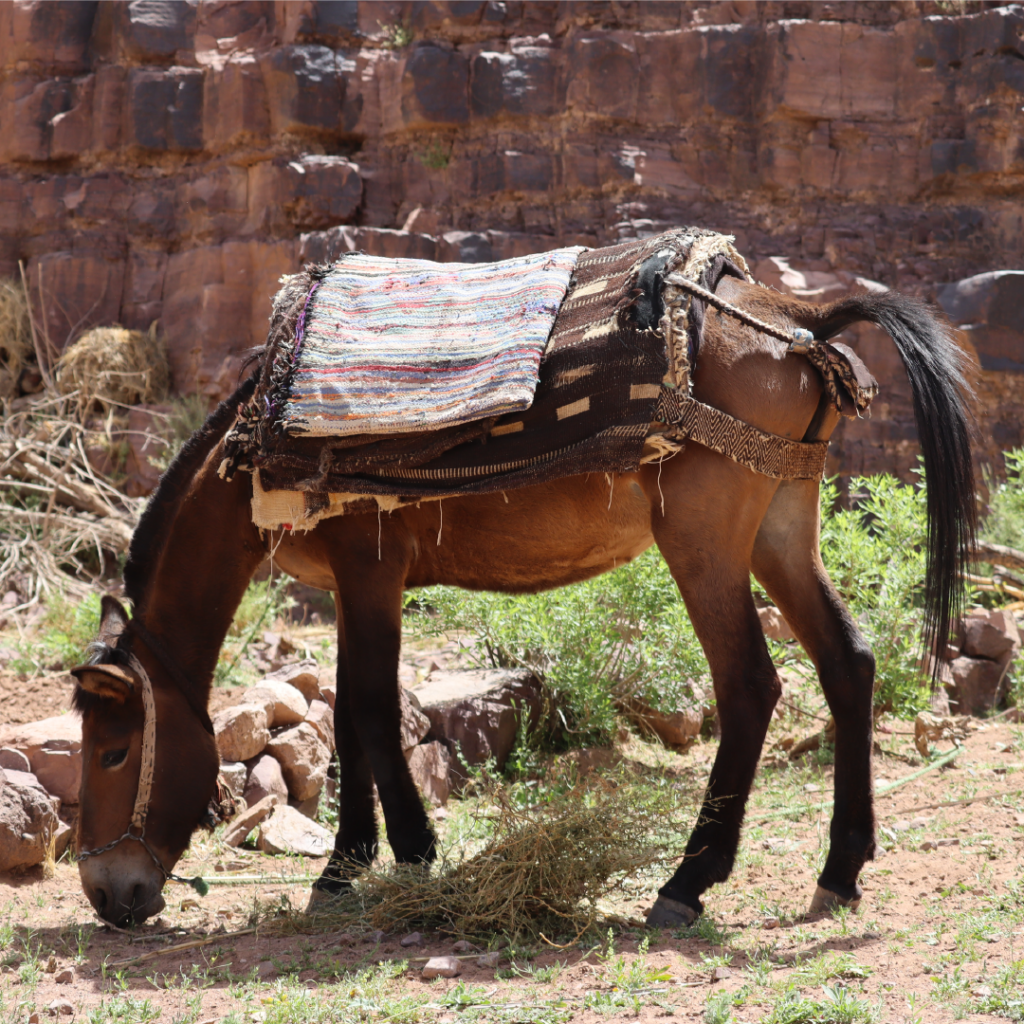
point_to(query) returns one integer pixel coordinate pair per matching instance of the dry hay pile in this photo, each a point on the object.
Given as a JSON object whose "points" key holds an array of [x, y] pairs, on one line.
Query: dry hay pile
{"points": [[546, 868], [15, 336], [112, 366]]}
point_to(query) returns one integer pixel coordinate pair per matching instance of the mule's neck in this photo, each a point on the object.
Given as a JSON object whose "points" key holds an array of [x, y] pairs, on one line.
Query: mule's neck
{"points": [[209, 556]]}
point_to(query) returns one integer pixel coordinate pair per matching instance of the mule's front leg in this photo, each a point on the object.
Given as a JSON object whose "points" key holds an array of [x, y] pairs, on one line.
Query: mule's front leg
{"points": [[787, 563], [356, 844], [370, 581]]}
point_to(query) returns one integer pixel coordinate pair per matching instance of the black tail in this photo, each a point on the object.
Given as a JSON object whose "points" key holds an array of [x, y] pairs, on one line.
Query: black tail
{"points": [[935, 366]]}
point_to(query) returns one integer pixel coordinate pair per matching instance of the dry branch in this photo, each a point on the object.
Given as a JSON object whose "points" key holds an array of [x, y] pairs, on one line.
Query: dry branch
{"points": [[998, 554]]}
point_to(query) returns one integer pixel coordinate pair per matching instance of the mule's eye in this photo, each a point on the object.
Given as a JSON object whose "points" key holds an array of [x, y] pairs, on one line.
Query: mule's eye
{"points": [[113, 758]]}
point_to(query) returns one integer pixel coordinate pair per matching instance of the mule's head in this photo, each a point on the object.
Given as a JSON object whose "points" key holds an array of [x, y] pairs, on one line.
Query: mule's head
{"points": [[124, 883]]}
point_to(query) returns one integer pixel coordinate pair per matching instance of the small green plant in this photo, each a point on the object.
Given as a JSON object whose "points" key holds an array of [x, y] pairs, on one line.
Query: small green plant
{"points": [[436, 156], [67, 629], [395, 35]]}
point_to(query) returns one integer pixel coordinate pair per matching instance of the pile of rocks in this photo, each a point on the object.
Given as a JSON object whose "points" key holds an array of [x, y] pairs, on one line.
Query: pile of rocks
{"points": [[975, 666]]}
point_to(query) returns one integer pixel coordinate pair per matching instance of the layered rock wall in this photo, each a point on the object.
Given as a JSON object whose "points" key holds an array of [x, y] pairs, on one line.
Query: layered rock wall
{"points": [[169, 161]]}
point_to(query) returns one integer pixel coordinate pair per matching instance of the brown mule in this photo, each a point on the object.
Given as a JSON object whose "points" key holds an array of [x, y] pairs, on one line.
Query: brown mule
{"points": [[713, 520]]}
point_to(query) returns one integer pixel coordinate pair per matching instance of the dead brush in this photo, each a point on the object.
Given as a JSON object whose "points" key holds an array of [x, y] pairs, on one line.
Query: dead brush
{"points": [[546, 868], [112, 366], [15, 336]]}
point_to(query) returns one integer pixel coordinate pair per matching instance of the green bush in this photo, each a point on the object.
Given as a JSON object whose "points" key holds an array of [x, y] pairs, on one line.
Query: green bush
{"points": [[1004, 521], [628, 633]]}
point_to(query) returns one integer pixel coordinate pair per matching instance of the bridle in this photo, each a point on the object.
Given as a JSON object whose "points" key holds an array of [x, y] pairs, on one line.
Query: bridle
{"points": [[136, 830]]}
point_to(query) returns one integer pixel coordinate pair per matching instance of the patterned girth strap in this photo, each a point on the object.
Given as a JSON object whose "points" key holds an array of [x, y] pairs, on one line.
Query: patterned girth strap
{"points": [[768, 454]]}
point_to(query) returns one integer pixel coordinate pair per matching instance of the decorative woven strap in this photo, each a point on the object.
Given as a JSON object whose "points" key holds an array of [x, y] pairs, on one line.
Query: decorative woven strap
{"points": [[768, 454], [146, 769]]}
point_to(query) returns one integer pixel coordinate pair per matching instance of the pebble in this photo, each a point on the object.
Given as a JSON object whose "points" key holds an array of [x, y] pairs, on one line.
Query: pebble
{"points": [[921, 822], [441, 967], [33, 1018], [489, 959], [266, 970], [465, 946], [65, 977], [376, 937], [928, 844], [412, 939], [345, 939], [948, 842], [771, 922], [812, 787], [720, 974], [60, 1007]]}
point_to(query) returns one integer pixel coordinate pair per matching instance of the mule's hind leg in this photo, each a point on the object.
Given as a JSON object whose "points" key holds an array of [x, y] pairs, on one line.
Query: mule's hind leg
{"points": [[708, 554], [356, 843], [787, 562]]}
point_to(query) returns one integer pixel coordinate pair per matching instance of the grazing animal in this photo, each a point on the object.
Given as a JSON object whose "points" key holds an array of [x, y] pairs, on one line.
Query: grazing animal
{"points": [[714, 521]]}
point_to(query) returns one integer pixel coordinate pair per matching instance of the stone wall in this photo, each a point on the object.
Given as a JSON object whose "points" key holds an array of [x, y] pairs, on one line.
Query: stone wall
{"points": [[169, 161]]}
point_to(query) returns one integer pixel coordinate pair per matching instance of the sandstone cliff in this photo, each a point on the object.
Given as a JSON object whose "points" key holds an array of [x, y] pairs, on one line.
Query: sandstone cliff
{"points": [[169, 161]]}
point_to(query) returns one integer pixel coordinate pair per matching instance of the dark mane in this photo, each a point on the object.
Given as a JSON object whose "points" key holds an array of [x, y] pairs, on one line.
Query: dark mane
{"points": [[151, 532]]}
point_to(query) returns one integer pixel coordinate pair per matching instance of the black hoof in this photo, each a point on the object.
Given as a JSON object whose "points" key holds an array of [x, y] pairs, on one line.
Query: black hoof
{"points": [[668, 913]]}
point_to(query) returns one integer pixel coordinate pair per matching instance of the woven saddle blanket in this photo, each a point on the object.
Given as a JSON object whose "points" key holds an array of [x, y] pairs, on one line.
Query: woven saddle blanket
{"points": [[621, 347], [388, 346]]}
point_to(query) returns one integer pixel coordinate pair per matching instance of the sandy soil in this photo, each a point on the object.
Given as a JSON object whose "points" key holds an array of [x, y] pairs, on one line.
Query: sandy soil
{"points": [[926, 915]]}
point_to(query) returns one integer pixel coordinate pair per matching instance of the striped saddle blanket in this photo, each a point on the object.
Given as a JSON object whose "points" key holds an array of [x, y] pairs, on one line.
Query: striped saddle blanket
{"points": [[388, 346]]}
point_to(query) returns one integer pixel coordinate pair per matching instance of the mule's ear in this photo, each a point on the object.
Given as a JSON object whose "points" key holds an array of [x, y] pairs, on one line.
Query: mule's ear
{"points": [[113, 619], [109, 681]]}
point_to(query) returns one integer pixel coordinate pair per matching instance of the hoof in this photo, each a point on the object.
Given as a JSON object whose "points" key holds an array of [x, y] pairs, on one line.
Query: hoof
{"points": [[668, 913], [825, 901]]}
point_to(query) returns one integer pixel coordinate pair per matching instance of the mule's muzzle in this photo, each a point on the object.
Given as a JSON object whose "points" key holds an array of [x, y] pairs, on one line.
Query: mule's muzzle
{"points": [[123, 896]]}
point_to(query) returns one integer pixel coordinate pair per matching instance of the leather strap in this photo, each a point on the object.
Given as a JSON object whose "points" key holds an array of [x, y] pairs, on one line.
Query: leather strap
{"points": [[768, 454]]}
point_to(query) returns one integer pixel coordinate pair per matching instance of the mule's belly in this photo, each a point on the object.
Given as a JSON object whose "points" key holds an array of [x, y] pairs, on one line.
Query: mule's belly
{"points": [[530, 539]]}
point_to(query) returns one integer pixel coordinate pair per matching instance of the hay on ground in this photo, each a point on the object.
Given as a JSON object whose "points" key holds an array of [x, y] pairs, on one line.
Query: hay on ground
{"points": [[15, 336], [544, 869], [112, 366]]}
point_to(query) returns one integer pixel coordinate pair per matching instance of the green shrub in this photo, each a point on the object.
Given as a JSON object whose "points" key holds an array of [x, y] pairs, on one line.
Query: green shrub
{"points": [[1004, 521], [628, 633]]}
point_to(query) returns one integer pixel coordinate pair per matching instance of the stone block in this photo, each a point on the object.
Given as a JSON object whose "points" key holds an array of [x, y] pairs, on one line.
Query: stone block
{"points": [[285, 704], [54, 34], [142, 298], [80, 290], [265, 779], [164, 109], [435, 87], [214, 206], [309, 192], [523, 83], [53, 747], [977, 687], [995, 299], [234, 103], [804, 71], [327, 246], [773, 624], [415, 724], [868, 72], [336, 21], [669, 92], [241, 731], [239, 828], [71, 131], [429, 764], [464, 247], [230, 20], [289, 831], [479, 712], [30, 105], [146, 31], [604, 76], [321, 717], [304, 90], [234, 774], [27, 821], [990, 634], [441, 967], [677, 729], [14, 760], [304, 759], [303, 675], [108, 106]]}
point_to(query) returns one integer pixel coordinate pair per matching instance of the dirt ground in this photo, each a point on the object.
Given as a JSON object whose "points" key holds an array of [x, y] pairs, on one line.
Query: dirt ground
{"points": [[939, 935]]}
